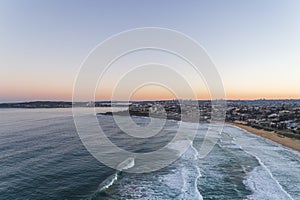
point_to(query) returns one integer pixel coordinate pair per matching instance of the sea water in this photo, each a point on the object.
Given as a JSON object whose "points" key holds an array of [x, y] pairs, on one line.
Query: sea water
{"points": [[42, 157]]}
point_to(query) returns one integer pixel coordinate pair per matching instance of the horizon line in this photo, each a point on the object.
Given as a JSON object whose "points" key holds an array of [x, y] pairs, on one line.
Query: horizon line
{"points": [[261, 99]]}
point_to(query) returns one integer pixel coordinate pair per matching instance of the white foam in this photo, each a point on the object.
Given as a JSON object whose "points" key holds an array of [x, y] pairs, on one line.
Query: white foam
{"points": [[108, 182], [261, 180], [126, 164], [230, 144], [263, 185], [189, 189], [184, 180], [185, 177], [173, 180]]}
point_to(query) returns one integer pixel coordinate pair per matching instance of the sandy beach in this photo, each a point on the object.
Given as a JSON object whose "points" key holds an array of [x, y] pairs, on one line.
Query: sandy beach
{"points": [[285, 141]]}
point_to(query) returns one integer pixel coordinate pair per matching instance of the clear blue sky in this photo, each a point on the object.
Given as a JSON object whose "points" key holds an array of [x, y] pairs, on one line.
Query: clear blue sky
{"points": [[255, 44]]}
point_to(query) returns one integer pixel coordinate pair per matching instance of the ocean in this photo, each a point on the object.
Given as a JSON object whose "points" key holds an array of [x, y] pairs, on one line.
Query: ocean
{"points": [[42, 157]]}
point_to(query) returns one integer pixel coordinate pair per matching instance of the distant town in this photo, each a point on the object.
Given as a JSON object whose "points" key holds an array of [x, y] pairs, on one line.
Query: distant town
{"points": [[282, 116], [271, 115]]}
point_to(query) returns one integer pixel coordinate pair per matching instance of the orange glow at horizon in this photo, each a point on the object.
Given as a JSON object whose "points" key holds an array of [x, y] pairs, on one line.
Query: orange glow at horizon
{"points": [[28, 92], [151, 92]]}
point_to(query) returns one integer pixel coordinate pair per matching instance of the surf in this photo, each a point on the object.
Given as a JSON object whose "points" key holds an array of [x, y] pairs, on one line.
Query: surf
{"points": [[109, 181]]}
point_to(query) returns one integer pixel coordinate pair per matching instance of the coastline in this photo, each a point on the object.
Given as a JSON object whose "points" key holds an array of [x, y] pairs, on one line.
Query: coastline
{"points": [[271, 135]]}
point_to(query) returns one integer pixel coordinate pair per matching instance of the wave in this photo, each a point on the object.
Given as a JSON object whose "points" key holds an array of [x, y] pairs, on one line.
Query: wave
{"points": [[185, 176], [180, 181], [189, 189], [228, 141], [277, 171], [263, 184], [109, 181]]}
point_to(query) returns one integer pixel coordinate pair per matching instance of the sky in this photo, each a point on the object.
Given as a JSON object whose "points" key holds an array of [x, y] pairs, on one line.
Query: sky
{"points": [[254, 44]]}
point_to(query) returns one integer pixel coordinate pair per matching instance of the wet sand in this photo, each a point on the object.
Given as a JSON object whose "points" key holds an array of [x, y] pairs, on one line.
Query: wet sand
{"points": [[271, 135]]}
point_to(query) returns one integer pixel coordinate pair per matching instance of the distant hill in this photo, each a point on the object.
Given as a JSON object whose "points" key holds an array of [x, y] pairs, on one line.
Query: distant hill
{"points": [[38, 104]]}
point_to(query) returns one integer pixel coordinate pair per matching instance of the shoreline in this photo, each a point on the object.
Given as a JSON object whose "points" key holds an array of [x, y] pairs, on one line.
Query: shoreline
{"points": [[291, 143], [271, 135]]}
